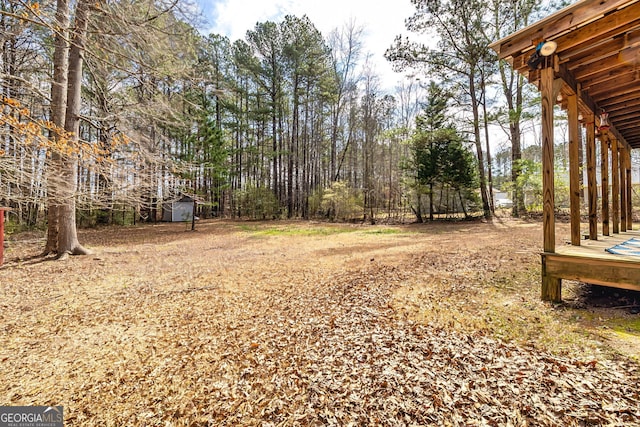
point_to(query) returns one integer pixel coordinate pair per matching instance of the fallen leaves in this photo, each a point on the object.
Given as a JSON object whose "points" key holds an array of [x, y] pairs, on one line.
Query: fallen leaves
{"points": [[255, 340]]}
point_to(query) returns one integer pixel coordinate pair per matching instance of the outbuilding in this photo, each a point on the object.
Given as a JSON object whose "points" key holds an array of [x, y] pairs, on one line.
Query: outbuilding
{"points": [[178, 210]]}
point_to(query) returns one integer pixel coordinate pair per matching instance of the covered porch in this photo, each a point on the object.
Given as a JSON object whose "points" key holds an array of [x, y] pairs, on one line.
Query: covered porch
{"points": [[586, 58]]}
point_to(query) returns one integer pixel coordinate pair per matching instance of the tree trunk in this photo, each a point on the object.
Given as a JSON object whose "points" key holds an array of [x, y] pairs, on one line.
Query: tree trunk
{"points": [[464, 209], [58, 107], [519, 207], [431, 201], [67, 233], [476, 134], [487, 143], [418, 211]]}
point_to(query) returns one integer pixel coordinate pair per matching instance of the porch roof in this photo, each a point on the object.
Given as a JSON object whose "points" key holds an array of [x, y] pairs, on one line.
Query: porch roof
{"points": [[598, 58]]}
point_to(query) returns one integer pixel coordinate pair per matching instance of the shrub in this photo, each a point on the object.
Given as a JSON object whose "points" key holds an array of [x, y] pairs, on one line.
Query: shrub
{"points": [[341, 202]]}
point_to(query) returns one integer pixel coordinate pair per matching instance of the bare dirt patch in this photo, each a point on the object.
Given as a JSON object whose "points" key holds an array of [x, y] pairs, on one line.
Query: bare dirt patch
{"points": [[249, 323]]}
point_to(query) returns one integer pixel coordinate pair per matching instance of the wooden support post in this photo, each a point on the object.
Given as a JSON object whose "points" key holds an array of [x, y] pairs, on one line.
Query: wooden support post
{"points": [[629, 190], [1, 236], [551, 287], [623, 187], [574, 168], [615, 185], [548, 206], [604, 174], [592, 183], [2, 211]]}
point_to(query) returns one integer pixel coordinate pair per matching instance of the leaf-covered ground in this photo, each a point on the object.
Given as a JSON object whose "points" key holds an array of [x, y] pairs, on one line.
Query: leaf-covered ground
{"points": [[309, 324]]}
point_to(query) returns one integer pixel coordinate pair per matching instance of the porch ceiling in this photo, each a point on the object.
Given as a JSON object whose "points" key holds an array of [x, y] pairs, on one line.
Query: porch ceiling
{"points": [[598, 56]]}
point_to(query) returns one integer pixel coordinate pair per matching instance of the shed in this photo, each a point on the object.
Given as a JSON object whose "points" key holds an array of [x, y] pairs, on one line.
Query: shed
{"points": [[585, 58], [179, 210]]}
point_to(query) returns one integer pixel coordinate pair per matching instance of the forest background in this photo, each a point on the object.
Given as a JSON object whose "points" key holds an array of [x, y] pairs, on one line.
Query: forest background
{"points": [[110, 109]]}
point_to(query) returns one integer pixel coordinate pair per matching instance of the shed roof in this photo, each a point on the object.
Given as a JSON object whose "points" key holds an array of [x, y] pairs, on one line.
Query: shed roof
{"points": [[598, 57]]}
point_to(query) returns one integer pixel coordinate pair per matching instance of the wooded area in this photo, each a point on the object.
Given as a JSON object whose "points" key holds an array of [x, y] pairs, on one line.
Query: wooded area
{"points": [[110, 109], [124, 112]]}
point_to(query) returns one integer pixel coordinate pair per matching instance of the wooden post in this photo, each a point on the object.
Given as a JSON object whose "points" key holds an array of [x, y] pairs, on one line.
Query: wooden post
{"points": [[592, 183], [623, 187], [629, 191], [548, 215], [574, 168], [604, 172], [615, 187], [551, 286], [193, 215], [2, 210]]}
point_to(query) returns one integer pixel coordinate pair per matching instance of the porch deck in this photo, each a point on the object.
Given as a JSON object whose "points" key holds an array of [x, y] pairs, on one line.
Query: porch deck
{"points": [[590, 263]]}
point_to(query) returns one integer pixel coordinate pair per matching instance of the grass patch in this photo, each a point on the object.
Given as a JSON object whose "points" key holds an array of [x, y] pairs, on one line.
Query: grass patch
{"points": [[628, 326], [509, 308], [384, 231], [293, 230]]}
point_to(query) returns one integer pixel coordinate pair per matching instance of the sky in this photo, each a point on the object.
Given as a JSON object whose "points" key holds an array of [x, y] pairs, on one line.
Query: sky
{"points": [[381, 21]]}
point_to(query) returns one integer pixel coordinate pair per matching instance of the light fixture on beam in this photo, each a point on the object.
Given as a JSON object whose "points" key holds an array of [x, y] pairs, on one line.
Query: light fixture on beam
{"points": [[559, 97], [542, 52], [547, 48], [580, 117]]}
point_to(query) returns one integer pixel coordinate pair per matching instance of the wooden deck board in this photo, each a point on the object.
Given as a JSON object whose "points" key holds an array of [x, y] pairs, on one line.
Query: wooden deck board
{"points": [[596, 248], [590, 263]]}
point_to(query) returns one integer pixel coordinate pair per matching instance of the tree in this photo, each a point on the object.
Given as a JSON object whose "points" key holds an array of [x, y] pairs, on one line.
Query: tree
{"points": [[307, 62], [439, 157], [459, 170], [145, 107], [346, 47], [462, 48], [442, 160], [63, 214], [509, 17], [83, 153], [266, 42], [428, 153], [370, 128]]}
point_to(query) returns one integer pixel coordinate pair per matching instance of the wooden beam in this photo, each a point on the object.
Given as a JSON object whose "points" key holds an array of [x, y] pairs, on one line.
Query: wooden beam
{"points": [[631, 115], [607, 27], [633, 131], [615, 185], [585, 102], [608, 79], [592, 184], [628, 100], [604, 183], [574, 168], [598, 271], [557, 23], [591, 53], [622, 86], [603, 65]]}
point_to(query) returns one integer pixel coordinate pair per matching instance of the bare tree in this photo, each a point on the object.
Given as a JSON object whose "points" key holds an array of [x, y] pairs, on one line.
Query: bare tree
{"points": [[346, 47]]}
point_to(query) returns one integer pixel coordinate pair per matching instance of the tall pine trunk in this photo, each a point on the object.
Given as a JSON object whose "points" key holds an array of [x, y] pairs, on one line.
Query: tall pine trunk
{"points": [[67, 234], [476, 133], [58, 107]]}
